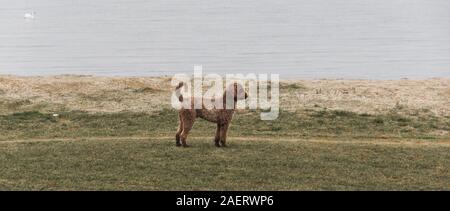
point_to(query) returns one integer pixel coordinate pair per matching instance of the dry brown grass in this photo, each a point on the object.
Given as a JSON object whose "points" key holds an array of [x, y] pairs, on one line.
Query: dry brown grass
{"points": [[370, 96], [148, 94], [84, 93]]}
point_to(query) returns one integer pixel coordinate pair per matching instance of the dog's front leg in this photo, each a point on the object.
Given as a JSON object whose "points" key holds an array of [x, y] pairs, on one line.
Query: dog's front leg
{"points": [[178, 135], [217, 137]]}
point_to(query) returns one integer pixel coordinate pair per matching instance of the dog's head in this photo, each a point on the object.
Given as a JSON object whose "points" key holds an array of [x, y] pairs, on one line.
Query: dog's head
{"points": [[236, 90]]}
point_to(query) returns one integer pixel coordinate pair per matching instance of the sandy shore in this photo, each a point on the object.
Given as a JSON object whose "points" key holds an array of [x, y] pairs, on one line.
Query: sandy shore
{"points": [[148, 94]]}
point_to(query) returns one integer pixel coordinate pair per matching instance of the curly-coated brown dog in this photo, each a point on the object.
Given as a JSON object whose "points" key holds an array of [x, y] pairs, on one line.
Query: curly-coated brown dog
{"points": [[222, 117]]}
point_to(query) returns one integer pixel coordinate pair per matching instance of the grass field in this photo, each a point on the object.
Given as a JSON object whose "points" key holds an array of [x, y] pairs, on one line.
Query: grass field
{"points": [[250, 164], [103, 139]]}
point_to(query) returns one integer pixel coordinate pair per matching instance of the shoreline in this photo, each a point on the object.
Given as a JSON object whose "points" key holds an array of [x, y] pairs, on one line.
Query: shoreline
{"points": [[285, 78]]}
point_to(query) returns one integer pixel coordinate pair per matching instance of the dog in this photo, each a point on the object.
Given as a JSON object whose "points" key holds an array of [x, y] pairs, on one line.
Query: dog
{"points": [[222, 116]]}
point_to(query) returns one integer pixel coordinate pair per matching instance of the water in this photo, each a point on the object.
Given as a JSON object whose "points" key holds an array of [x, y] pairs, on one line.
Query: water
{"points": [[370, 39]]}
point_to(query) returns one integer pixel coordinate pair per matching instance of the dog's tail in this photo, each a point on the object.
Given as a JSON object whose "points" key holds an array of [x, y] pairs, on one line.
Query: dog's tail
{"points": [[178, 93]]}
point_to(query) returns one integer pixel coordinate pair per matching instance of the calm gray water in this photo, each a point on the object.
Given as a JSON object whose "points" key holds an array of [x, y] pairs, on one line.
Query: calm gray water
{"points": [[373, 39]]}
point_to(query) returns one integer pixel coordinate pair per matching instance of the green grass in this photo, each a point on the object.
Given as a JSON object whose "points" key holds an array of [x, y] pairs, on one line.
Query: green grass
{"points": [[156, 164], [307, 123], [303, 150]]}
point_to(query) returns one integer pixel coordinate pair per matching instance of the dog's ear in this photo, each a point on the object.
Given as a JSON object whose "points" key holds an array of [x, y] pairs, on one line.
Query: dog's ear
{"points": [[235, 90], [229, 90]]}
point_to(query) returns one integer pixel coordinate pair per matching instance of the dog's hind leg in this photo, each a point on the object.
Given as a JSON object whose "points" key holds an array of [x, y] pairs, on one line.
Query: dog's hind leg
{"points": [[223, 134], [184, 134], [188, 122], [217, 137], [180, 129]]}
